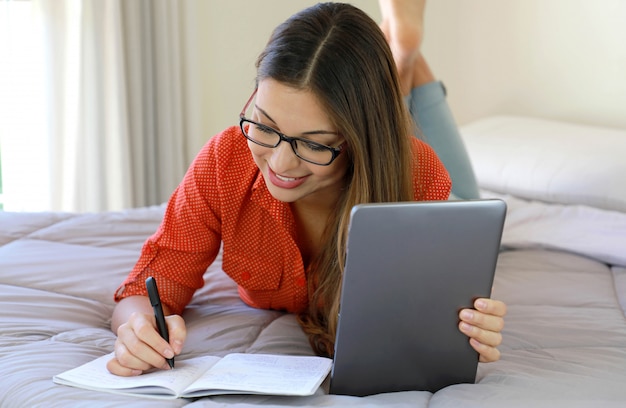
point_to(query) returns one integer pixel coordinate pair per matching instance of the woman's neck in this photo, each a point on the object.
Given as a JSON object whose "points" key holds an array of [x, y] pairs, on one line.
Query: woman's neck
{"points": [[311, 218]]}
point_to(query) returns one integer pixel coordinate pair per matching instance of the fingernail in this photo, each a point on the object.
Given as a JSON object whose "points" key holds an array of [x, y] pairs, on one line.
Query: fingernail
{"points": [[168, 353], [467, 314], [481, 304], [466, 327]]}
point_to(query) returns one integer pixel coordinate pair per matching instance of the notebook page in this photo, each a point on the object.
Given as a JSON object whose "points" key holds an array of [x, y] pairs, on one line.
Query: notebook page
{"points": [[95, 376], [263, 374]]}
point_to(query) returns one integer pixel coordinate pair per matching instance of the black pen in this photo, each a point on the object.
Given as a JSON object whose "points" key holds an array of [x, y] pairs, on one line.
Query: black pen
{"points": [[155, 301]]}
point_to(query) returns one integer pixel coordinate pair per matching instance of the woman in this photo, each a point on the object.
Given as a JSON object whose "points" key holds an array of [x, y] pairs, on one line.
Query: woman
{"points": [[280, 204]]}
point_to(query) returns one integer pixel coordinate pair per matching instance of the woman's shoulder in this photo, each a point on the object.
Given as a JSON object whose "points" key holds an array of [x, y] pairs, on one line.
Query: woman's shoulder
{"points": [[226, 148], [225, 161], [228, 142], [424, 153], [430, 178]]}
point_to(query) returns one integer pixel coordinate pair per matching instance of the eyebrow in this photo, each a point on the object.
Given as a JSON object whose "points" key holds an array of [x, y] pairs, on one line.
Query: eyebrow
{"points": [[311, 132]]}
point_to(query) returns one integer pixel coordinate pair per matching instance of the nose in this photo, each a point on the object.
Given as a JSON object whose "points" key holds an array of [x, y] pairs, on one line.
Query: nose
{"points": [[283, 158]]}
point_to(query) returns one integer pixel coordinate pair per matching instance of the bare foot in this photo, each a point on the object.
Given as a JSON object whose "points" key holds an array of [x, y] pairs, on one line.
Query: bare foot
{"points": [[403, 26]]}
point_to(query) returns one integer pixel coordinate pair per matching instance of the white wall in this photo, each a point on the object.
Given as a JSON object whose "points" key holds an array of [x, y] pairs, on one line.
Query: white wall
{"points": [[229, 36], [560, 59]]}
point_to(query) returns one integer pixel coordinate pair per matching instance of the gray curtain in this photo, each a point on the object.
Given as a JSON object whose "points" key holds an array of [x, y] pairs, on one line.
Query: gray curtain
{"points": [[117, 98]]}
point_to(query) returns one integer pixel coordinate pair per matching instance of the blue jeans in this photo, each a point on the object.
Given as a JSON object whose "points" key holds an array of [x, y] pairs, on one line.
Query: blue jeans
{"points": [[430, 111]]}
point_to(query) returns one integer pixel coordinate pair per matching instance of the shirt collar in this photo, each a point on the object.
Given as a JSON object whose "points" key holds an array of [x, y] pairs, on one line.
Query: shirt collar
{"points": [[278, 210]]}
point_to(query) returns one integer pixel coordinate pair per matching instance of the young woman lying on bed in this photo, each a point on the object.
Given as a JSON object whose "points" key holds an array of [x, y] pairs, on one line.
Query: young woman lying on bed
{"points": [[280, 204]]}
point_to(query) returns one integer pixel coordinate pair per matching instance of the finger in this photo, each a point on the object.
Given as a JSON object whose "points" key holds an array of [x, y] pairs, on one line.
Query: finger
{"points": [[487, 354], [127, 361], [490, 306], [133, 354], [486, 337], [142, 342], [177, 332], [482, 320], [146, 332], [116, 368]]}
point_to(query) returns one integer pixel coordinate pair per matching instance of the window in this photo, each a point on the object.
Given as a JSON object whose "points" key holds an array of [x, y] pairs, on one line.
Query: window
{"points": [[23, 149], [1, 197]]}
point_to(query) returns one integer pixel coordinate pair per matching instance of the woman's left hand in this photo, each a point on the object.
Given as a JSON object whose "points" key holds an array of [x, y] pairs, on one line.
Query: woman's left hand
{"points": [[483, 326]]}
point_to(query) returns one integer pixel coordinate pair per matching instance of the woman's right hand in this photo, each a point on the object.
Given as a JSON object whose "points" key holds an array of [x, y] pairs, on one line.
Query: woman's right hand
{"points": [[140, 347]]}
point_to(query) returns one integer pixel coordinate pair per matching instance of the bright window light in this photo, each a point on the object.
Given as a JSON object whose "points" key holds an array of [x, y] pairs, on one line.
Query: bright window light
{"points": [[23, 139]]}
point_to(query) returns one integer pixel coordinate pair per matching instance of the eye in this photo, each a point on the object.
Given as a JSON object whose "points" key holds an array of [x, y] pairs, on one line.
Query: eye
{"points": [[263, 128], [312, 146]]}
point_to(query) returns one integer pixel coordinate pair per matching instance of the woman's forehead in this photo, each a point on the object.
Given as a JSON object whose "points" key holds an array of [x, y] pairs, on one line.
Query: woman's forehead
{"points": [[290, 107]]}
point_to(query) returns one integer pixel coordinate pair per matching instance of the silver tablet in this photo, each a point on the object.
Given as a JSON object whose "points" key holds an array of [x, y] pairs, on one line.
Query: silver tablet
{"points": [[410, 268]]}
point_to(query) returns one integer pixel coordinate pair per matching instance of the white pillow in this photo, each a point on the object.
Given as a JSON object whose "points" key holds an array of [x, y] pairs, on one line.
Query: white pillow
{"points": [[548, 160]]}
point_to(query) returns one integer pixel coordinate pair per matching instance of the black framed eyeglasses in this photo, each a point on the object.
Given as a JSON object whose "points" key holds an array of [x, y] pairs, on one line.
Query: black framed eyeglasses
{"points": [[307, 150]]}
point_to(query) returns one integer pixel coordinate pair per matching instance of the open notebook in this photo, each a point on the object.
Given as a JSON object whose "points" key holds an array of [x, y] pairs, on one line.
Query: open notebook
{"points": [[208, 375]]}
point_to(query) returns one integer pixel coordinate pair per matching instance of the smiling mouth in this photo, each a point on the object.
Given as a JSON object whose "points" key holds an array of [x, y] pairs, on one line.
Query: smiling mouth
{"points": [[284, 181], [283, 178]]}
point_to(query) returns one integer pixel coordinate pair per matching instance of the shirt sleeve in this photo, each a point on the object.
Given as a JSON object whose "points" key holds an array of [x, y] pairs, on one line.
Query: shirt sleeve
{"points": [[188, 239]]}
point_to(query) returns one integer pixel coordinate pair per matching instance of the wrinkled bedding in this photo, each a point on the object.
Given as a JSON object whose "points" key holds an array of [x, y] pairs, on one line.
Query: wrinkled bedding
{"points": [[562, 272]]}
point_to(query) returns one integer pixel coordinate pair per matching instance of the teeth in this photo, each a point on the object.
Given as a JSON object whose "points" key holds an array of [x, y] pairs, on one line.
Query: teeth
{"points": [[283, 178]]}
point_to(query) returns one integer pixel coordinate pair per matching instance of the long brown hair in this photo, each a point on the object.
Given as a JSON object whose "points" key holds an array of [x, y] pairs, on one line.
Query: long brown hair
{"points": [[339, 53]]}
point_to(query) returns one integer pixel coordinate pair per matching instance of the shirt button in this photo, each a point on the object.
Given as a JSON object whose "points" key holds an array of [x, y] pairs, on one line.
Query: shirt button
{"points": [[301, 282], [245, 276]]}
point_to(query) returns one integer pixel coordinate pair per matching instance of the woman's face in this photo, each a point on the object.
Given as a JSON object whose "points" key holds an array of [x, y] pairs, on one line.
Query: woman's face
{"points": [[296, 113]]}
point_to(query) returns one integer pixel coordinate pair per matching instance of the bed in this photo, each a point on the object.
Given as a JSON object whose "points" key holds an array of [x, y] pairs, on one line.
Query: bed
{"points": [[561, 270]]}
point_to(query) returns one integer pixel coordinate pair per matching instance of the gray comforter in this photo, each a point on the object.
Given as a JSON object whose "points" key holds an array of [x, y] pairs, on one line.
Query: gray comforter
{"points": [[562, 276]]}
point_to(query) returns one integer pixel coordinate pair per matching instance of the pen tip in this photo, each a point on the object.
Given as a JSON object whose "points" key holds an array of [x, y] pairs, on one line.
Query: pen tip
{"points": [[170, 361]]}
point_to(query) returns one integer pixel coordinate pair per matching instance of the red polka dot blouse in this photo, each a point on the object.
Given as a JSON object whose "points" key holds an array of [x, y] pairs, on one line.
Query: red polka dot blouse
{"points": [[223, 199]]}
